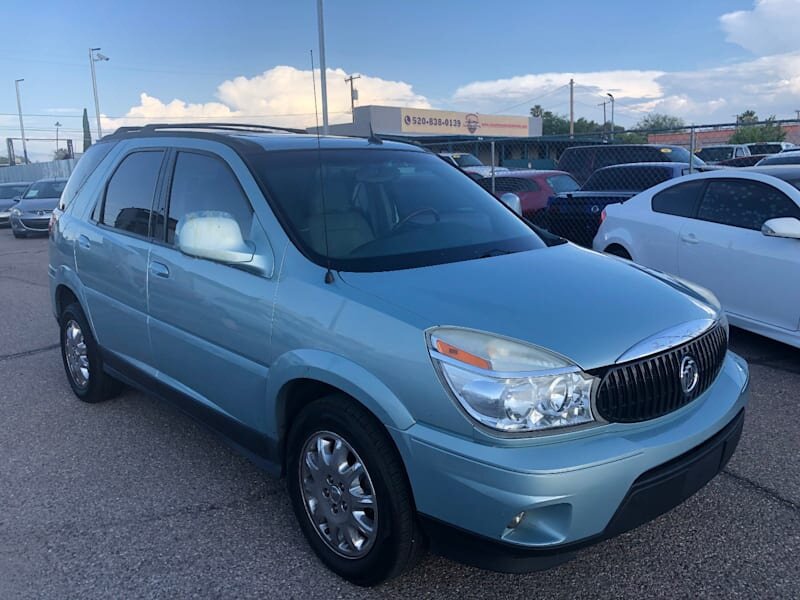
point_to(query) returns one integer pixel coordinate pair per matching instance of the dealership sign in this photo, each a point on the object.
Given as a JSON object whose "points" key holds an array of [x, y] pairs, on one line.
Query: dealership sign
{"points": [[445, 122]]}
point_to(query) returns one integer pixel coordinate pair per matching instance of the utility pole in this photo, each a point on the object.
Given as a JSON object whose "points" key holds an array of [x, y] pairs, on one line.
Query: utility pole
{"points": [[322, 76], [797, 112], [21, 124], [571, 108], [612, 114], [93, 58], [353, 91], [603, 104], [57, 125]]}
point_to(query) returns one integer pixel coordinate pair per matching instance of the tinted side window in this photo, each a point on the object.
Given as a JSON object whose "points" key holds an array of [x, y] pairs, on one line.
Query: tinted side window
{"points": [[680, 200], [746, 204], [205, 183], [129, 195], [85, 167]]}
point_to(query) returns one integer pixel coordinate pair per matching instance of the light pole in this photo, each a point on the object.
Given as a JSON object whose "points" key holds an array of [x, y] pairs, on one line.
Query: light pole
{"points": [[612, 114], [95, 56], [322, 76], [353, 91], [21, 124], [57, 125], [603, 104]]}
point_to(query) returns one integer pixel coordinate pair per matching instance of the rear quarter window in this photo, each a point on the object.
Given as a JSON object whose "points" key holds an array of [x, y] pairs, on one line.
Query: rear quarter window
{"points": [[680, 200]]}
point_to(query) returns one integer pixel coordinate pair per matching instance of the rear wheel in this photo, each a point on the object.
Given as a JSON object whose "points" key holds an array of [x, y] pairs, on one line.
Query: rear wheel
{"points": [[617, 250], [82, 361], [350, 493]]}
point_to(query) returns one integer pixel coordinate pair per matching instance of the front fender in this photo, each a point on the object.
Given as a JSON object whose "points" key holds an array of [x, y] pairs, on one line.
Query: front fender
{"points": [[336, 371]]}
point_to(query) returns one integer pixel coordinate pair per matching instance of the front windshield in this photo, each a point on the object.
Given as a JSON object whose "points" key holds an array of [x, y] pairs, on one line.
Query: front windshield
{"points": [[716, 154], [467, 160], [45, 189], [385, 209], [12, 191]]}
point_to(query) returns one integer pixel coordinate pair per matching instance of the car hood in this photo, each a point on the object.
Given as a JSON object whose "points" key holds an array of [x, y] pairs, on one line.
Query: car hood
{"points": [[588, 307], [29, 204]]}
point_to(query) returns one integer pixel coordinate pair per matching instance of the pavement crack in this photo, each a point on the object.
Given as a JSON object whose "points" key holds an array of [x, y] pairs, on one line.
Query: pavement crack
{"points": [[760, 488], [20, 279], [4, 357]]}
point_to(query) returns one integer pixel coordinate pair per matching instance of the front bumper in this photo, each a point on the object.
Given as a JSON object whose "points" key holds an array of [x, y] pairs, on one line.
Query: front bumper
{"points": [[27, 223], [575, 489]]}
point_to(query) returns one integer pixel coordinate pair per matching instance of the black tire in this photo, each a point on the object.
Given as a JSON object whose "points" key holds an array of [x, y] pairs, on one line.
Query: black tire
{"points": [[398, 542], [100, 386], [19, 235], [617, 250]]}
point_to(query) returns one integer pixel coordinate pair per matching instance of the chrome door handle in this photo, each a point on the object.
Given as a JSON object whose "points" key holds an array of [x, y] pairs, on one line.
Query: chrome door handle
{"points": [[159, 269], [83, 242], [690, 238]]}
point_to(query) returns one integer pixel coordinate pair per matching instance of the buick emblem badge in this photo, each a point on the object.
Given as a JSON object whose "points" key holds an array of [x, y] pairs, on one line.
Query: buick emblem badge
{"points": [[689, 374]]}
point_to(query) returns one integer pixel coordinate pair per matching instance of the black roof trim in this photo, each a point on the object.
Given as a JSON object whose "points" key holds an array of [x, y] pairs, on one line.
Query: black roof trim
{"points": [[199, 127]]}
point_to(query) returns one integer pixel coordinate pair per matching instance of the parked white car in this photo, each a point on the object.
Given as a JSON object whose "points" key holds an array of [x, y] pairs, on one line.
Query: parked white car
{"points": [[471, 164], [736, 232]]}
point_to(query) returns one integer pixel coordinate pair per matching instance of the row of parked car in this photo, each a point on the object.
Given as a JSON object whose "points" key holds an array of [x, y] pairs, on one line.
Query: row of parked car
{"points": [[27, 207], [691, 221]]}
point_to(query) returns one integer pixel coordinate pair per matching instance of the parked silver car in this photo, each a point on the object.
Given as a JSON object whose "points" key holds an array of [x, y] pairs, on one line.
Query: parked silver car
{"points": [[10, 194], [31, 215]]}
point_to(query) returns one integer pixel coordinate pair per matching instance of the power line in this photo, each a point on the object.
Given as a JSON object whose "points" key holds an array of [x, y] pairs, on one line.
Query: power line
{"points": [[529, 100]]}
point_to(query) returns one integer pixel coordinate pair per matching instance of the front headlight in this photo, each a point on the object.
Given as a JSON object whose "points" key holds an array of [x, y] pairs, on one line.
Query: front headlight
{"points": [[508, 385], [15, 211]]}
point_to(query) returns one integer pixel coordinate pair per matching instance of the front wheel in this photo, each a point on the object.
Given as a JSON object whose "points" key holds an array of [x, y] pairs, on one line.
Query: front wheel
{"points": [[350, 493]]}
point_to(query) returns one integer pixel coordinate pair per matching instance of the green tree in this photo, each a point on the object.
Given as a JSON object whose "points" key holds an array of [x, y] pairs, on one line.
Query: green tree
{"points": [[750, 130], [61, 154], [660, 121], [87, 134], [554, 124]]}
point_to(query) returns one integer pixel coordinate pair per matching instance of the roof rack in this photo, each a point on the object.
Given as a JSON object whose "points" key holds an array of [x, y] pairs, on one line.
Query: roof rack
{"points": [[235, 127]]}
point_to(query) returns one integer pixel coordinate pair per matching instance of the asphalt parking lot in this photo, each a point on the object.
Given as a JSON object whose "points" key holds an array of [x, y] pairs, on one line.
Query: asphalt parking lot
{"points": [[131, 499]]}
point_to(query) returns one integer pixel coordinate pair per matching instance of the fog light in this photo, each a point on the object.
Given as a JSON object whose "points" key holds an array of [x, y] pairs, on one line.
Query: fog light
{"points": [[516, 520]]}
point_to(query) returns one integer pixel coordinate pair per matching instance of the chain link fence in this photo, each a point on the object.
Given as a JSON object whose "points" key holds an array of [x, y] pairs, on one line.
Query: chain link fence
{"points": [[564, 183]]}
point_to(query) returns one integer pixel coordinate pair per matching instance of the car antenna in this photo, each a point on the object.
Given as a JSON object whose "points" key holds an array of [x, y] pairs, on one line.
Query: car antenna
{"points": [[328, 272], [373, 139]]}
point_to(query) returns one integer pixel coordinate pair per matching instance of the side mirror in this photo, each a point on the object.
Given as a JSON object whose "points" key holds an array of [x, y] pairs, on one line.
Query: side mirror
{"points": [[215, 235], [513, 202], [782, 227]]}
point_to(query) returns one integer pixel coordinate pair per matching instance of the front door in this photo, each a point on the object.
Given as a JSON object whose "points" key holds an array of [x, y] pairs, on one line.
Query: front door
{"points": [[210, 322]]}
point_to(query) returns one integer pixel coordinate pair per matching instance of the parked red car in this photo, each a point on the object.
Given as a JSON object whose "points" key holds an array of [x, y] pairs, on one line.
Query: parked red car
{"points": [[533, 187]]}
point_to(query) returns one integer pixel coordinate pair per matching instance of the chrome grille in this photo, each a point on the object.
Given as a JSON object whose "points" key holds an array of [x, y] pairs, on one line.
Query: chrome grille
{"points": [[651, 387]]}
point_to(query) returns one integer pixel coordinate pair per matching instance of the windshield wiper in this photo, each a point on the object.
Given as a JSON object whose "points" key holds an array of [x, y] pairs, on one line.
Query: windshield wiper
{"points": [[496, 252]]}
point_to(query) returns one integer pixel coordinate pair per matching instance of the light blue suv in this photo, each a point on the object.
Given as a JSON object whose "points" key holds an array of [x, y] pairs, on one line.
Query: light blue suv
{"points": [[424, 367]]}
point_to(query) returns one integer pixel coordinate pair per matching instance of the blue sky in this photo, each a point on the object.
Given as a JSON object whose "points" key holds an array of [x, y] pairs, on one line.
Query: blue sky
{"points": [[686, 60]]}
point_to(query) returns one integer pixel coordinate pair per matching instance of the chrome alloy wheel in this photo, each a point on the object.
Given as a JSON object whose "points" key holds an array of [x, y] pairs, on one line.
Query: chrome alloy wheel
{"points": [[338, 495], [76, 354]]}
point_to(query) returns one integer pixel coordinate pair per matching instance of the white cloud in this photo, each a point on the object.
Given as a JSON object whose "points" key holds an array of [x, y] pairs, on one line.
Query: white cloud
{"points": [[769, 28], [769, 85], [280, 96]]}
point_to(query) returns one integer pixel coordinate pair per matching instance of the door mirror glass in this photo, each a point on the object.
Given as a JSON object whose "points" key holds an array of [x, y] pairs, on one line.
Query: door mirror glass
{"points": [[783, 227], [512, 201], [215, 235]]}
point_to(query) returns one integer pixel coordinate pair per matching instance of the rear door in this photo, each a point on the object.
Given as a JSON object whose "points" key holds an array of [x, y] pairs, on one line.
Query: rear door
{"points": [[112, 253], [723, 249], [211, 322]]}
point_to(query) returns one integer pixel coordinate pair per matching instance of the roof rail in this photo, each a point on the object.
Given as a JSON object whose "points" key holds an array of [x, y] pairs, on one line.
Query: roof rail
{"points": [[237, 127]]}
